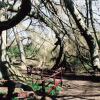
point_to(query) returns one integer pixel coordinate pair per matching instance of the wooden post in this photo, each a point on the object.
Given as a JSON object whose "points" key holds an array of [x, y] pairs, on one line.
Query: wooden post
{"points": [[61, 77], [43, 84], [29, 70], [55, 81]]}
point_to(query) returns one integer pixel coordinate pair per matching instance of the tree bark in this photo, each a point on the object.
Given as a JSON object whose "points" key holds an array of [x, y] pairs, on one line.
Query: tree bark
{"points": [[7, 71], [21, 50], [92, 22], [22, 13], [85, 33]]}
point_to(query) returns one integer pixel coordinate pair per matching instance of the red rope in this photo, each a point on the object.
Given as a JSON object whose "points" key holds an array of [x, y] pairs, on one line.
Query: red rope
{"points": [[55, 85]]}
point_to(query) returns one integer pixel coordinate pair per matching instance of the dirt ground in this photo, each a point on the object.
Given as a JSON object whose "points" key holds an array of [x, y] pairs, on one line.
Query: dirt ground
{"points": [[80, 90], [77, 87], [77, 90]]}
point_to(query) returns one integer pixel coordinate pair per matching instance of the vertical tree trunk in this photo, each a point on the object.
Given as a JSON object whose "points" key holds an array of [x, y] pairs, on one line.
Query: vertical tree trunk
{"points": [[21, 49], [7, 71], [3, 56], [92, 22], [3, 46], [85, 33]]}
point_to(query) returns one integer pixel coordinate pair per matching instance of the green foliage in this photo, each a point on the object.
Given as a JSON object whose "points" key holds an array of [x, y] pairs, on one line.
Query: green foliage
{"points": [[2, 4], [76, 61], [14, 52], [54, 91], [15, 98], [37, 87], [29, 50]]}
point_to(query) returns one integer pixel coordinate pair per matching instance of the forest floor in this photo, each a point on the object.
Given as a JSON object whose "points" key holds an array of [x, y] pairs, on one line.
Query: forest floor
{"points": [[79, 88]]}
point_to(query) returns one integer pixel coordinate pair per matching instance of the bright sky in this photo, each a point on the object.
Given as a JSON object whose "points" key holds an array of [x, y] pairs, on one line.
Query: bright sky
{"points": [[96, 9], [81, 6]]}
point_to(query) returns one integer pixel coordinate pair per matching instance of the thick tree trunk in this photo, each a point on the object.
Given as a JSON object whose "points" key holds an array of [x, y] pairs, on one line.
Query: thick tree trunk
{"points": [[22, 13], [85, 33], [2, 50], [3, 46], [7, 71]]}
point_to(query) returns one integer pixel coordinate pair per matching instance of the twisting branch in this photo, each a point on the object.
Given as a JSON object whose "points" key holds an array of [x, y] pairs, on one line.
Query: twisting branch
{"points": [[22, 13], [87, 13], [85, 33], [58, 59]]}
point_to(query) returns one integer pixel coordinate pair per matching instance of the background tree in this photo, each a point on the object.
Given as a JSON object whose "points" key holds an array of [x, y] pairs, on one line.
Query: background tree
{"points": [[57, 31]]}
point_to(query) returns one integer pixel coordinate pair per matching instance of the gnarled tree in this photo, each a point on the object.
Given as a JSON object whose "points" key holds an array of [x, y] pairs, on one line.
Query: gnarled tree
{"points": [[8, 71], [69, 4]]}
